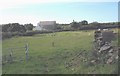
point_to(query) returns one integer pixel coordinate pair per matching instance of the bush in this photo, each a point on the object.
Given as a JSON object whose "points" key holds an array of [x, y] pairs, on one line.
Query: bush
{"points": [[13, 27], [6, 35], [31, 33]]}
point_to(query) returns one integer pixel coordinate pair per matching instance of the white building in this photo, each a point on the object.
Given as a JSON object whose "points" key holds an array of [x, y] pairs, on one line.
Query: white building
{"points": [[46, 25]]}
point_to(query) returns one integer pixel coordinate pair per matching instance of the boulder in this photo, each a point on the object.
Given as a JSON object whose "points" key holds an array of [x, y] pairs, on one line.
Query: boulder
{"points": [[111, 51], [116, 57], [104, 48], [109, 61], [93, 61]]}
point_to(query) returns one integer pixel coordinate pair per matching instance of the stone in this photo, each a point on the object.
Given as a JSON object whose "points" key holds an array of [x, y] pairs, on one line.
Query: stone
{"points": [[116, 57], [110, 54], [104, 48], [73, 69], [109, 61], [108, 36], [93, 61], [111, 51]]}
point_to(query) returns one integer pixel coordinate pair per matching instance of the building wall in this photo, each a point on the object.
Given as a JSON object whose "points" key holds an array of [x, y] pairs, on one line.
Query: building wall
{"points": [[47, 25], [47, 22]]}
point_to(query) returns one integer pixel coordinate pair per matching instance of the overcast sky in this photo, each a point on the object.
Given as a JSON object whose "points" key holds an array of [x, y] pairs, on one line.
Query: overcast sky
{"points": [[62, 11]]}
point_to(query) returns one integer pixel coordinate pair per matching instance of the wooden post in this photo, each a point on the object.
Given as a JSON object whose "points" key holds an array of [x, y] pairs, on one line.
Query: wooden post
{"points": [[53, 42], [11, 58], [26, 52]]}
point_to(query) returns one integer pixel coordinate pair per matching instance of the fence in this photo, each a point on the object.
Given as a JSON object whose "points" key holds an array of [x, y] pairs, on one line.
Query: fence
{"points": [[12, 54]]}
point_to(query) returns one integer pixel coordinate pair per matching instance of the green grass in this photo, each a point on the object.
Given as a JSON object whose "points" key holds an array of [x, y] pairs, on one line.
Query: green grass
{"points": [[46, 59]]}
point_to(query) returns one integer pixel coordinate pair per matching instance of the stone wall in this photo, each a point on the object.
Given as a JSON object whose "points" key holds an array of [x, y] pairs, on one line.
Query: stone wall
{"points": [[104, 48]]}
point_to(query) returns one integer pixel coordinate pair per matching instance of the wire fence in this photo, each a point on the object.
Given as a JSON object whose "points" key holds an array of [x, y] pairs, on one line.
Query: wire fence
{"points": [[18, 54], [14, 54]]}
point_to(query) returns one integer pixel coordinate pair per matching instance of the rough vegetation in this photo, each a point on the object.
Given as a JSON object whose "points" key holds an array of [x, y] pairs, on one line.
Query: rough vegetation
{"points": [[16, 29], [73, 53]]}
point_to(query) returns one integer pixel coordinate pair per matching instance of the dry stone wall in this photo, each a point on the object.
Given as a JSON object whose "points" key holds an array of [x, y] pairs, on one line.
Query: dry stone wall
{"points": [[104, 48]]}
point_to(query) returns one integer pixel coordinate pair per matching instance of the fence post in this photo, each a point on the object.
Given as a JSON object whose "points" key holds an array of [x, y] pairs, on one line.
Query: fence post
{"points": [[26, 52], [11, 58], [53, 42]]}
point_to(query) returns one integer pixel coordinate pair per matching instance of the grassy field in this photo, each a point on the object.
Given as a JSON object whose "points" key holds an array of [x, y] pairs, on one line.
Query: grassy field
{"points": [[47, 59]]}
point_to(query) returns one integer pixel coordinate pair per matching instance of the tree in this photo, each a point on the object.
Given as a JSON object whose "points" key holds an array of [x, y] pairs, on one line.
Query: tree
{"points": [[29, 26], [84, 22], [5, 27], [59, 27], [95, 24], [13, 27], [75, 25]]}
